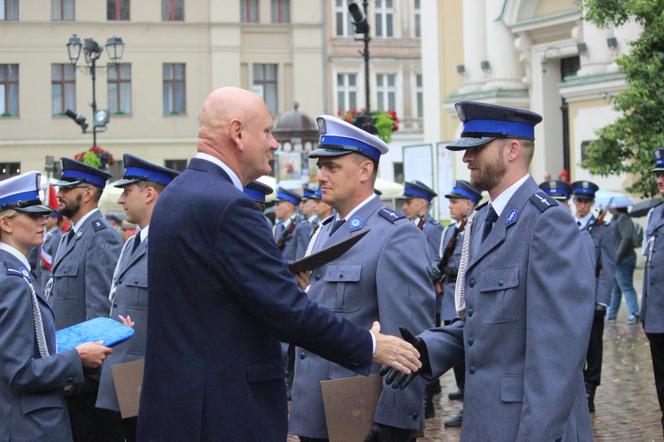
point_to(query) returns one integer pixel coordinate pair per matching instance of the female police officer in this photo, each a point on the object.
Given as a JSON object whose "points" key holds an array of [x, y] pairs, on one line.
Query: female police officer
{"points": [[32, 375]]}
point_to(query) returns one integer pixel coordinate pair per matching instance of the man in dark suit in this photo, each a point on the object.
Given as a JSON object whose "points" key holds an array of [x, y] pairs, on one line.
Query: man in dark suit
{"points": [[221, 297]]}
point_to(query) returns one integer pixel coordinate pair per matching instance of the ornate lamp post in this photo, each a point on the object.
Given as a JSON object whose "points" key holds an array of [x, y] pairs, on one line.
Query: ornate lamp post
{"points": [[362, 27], [92, 52]]}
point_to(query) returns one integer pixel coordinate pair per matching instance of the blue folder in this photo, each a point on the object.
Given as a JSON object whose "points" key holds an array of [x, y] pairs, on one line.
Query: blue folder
{"points": [[108, 330]]}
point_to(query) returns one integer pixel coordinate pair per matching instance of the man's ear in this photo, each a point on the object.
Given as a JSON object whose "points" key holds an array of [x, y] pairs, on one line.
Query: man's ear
{"points": [[366, 170], [235, 132], [514, 149]]}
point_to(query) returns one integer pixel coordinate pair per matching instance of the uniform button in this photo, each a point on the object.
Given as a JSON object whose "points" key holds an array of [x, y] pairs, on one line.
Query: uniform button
{"points": [[470, 312], [70, 380], [302, 355], [501, 282], [341, 276], [559, 439], [115, 304], [471, 283], [470, 342], [471, 370], [415, 416], [317, 277]]}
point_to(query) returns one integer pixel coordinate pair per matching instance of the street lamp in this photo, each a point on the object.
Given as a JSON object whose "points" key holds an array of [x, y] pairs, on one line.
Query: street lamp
{"points": [[92, 52], [362, 27]]}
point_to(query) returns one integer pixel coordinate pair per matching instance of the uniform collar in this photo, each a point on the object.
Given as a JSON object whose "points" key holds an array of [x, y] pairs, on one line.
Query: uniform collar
{"points": [[501, 201], [232, 175], [584, 220], [356, 208], [16, 254], [80, 222], [144, 232]]}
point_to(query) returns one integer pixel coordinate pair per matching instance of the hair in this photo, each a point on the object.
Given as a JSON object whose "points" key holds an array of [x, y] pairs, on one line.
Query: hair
{"points": [[528, 147], [144, 184], [98, 192]]}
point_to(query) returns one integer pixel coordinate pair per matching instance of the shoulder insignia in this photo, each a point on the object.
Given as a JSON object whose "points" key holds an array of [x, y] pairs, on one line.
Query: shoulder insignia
{"points": [[328, 219], [542, 201], [98, 225], [23, 273], [481, 205], [390, 215], [511, 217]]}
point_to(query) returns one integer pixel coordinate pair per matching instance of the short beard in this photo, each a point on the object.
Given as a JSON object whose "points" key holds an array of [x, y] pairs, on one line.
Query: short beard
{"points": [[71, 209], [490, 174]]}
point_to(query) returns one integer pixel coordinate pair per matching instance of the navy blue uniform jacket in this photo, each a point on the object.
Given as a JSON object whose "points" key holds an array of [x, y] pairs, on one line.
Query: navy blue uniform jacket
{"points": [[220, 300]]}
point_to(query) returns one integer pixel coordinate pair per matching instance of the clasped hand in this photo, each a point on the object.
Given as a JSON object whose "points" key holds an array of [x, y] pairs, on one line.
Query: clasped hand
{"points": [[400, 379]]}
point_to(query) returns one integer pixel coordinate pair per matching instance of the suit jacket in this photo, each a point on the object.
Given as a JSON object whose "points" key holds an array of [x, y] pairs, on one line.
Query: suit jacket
{"points": [[652, 300], [82, 272], [32, 402], [433, 232], [605, 259], [448, 309], [297, 241], [129, 297], [527, 325], [220, 300], [50, 247], [385, 277]]}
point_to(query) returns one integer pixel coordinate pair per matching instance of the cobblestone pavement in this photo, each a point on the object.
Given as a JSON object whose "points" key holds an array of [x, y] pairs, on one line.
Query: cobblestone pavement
{"points": [[626, 402]]}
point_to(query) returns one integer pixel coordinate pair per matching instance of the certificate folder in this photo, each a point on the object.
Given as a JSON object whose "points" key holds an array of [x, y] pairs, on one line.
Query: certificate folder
{"points": [[128, 379], [107, 330], [328, 254], [350, 405]]}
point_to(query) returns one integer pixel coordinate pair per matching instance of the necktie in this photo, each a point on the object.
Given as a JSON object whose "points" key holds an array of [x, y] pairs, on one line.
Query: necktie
{"points": [[70, 235], [336, 225], [491, 218], [578, 223], [137, 242]]}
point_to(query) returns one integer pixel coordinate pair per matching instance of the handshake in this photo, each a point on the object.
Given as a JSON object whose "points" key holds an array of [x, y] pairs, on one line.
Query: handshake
{"points": [[402, 359]]}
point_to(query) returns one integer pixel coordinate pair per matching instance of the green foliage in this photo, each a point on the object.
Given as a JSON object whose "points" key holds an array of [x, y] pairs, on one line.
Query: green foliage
{"points": [[92, 159], [627, 144]]}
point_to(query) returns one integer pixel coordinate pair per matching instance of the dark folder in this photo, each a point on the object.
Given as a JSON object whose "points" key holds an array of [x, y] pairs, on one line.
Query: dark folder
{"points": [[328, 254], [107, 330]]}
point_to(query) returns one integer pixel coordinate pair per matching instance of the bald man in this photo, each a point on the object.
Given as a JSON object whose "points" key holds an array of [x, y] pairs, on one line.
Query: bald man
{"points": [[221, 297]]}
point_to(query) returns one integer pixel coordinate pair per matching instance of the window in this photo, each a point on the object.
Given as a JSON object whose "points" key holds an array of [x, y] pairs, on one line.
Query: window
{"points": [[8, 10], [397, 168], [117, 9], [62, 10], [386, 91], [178, 165], [280, 11], [384, 22], [344, 25], [63, 88], [172, 10], [249, 11], [418, 19], [174, 89], [419, 97], [119, 88], [346, 92], [8, 90], [265, 84], [9, 170]]}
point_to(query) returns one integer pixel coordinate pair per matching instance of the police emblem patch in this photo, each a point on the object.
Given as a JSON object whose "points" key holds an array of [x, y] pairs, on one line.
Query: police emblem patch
{"points": [[356, 223], [512, 216]]}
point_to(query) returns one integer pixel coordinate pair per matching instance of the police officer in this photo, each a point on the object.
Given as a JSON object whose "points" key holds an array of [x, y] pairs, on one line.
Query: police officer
{"points": [[308, 206], [48, 249], [33, 375], [605, 266], [652, 301], [290, 232], [416, 207], [82, 272], [257, 191], [141, 185], [521, 290], [386, 278], [461, 202]]}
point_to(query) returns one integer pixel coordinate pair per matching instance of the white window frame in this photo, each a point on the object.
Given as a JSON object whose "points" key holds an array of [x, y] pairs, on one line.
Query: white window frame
{"points": [[417, 90], [381, 12], [346, 89], [385, 90], [417, 16], [348, 28]]}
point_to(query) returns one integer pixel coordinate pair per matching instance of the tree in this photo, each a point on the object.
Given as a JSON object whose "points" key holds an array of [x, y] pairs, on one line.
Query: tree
{"points": [[627, 145]]}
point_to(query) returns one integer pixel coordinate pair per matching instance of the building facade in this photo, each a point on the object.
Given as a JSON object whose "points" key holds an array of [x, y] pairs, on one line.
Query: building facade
{"points": [[176, 52], [534, 54]]}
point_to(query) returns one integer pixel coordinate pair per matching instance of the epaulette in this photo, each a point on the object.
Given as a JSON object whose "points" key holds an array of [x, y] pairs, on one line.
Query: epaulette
{"points": [[390, 215], [542, 201], [481, 205], [22, 273], [98, 225], [327, 220]]}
